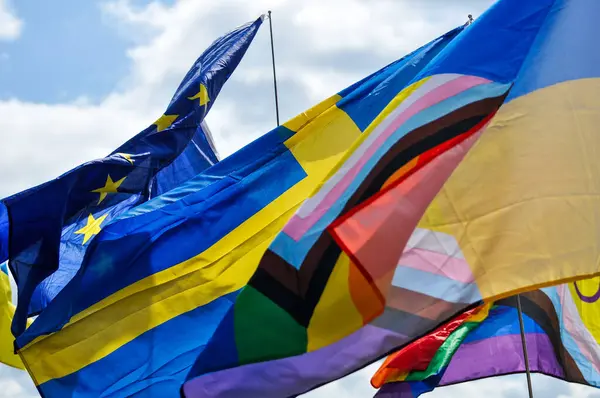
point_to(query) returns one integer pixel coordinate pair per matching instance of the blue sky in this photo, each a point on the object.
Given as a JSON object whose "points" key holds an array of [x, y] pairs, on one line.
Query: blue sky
{"points": [[45, 65], [78, 78]]}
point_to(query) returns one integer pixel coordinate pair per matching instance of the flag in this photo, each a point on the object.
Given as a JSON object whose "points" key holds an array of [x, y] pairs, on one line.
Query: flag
{"points": [[416, 382], [517, 212], [281, 296], [333, 314], [157, 281], [52, 225], [433, 348], [559, 328], [197, 156], [7, 310]]}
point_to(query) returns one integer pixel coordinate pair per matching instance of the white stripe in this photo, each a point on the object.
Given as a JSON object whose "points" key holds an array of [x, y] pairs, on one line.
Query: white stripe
{"points": [[431, 84], [433, 241], [581, 334]]}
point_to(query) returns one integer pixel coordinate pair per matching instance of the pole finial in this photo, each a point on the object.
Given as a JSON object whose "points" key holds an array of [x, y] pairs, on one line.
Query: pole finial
{"points": [[470, 21]]}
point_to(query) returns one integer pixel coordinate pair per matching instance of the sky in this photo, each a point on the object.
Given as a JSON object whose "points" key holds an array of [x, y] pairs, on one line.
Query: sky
{"points": [[78, 78]]}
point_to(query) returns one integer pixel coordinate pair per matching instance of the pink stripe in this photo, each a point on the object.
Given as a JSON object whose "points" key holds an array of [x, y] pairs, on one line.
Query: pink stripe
{"points": [[437, 263], [376, 235], [297, 226], [575, 330]]}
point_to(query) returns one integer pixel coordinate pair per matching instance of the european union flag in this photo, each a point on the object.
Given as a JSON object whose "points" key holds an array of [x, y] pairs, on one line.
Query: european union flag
{"points": [[51, 225]]}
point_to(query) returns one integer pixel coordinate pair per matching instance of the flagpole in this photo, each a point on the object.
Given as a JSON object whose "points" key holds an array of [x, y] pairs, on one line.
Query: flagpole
{"points": [[524, 344], [274, 75]]}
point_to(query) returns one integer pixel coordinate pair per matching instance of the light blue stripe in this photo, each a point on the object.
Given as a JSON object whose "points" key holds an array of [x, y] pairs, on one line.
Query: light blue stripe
{"points": [[295, 252], [568, 341], [437, 286]]}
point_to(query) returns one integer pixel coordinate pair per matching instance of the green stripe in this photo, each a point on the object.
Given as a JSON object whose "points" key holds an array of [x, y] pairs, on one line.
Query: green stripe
{"points": [[444, 354]]}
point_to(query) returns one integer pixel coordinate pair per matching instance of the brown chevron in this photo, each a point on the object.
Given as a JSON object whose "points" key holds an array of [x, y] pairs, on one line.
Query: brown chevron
{"points": [[298, 291], [538, 307]]}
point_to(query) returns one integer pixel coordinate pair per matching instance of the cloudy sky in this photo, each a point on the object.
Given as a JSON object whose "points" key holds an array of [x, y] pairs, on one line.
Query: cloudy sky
{"points": [[78, 78]]}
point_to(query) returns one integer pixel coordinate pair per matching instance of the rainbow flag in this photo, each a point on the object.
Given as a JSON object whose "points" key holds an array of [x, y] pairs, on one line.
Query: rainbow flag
{"points": [[471, 185], [560, 334], [429, 354]]}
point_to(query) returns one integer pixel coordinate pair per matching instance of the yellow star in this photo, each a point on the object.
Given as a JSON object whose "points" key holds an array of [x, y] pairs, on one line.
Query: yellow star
{"points": [[126, 156], [202, 95], [111, 186], [91, 228], [164, 122]]}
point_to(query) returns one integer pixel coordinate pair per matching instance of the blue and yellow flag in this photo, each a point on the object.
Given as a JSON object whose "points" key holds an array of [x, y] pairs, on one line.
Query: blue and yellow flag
{"points": [[156, 282], [7, 310], [51, 225]]}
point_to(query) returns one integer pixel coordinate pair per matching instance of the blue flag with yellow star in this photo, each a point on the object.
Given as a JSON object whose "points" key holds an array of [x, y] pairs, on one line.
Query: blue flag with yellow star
{"points": [[50, 226]]}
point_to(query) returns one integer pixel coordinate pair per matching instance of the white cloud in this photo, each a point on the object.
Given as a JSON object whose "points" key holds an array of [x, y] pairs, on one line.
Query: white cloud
{"points": [[10, 25], [317, 54], [355, 385], [15, 383]]}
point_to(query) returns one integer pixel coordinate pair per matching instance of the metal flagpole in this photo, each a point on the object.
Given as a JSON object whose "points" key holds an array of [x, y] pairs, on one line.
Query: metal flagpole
{"points": [[524, 344], [274, 75]]}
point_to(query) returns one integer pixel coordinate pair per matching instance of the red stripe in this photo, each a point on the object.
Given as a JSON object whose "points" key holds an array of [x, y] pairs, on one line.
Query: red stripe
{"points": [[423, 159], [418, 355]]}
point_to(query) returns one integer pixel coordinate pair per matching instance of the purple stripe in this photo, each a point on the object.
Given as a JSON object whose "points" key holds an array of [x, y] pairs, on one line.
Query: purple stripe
{"points": [[296, 375], [500, 355], [493, 356], [395, 390]]}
